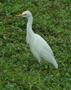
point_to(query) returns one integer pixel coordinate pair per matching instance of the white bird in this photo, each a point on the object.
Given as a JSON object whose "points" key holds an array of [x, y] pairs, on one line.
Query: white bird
{"points": [[38, 46]]}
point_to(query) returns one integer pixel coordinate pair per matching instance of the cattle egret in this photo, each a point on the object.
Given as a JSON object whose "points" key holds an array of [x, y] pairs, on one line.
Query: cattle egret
{"points": [[38, 46]]}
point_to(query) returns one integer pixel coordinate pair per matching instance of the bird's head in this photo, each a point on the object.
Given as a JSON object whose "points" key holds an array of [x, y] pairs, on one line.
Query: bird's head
{"points": [[26, 14]]}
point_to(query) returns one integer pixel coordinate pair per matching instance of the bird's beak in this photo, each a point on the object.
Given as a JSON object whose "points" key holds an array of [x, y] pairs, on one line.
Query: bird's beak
{"points": [[19, 15]]}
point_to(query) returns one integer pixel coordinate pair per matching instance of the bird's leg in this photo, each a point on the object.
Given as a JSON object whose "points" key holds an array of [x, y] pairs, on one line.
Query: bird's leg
{"points": [[38, 58], [48, 68]]}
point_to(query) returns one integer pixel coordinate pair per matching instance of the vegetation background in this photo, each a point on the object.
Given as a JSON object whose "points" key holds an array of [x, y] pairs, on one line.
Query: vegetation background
{"points": [[19, 70]]}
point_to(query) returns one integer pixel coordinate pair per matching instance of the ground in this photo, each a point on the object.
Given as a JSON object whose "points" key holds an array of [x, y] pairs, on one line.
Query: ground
{"points": [[19, 70]]}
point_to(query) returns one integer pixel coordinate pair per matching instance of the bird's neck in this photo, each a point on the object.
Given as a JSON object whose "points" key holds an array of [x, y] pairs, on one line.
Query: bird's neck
{"points": [[29, 26]]}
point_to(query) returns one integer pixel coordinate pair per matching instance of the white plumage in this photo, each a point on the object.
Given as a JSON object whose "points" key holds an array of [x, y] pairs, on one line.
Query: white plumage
{"points": [[38, 46]]}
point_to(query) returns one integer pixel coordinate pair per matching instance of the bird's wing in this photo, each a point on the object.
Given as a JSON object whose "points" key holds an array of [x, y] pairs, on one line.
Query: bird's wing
{"points": [[44, 50], [44, 44]]}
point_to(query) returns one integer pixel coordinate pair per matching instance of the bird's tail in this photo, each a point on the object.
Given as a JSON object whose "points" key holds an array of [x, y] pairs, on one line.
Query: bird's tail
{"points": [[55, 63]]}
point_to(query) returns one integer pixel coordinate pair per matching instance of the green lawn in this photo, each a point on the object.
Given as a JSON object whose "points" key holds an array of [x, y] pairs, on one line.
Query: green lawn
{"points": [[19, 70]]}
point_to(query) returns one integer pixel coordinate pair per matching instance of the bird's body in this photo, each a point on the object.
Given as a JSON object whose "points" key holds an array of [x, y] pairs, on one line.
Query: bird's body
{"points": [[38, 46]]}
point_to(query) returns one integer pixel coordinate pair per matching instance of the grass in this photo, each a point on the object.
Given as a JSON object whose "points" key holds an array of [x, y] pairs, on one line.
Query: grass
{"points": [[19, 70]]}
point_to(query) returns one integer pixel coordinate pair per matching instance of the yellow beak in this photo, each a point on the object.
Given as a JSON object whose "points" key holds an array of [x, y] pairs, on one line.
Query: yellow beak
{"points": [[19, 15]]}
